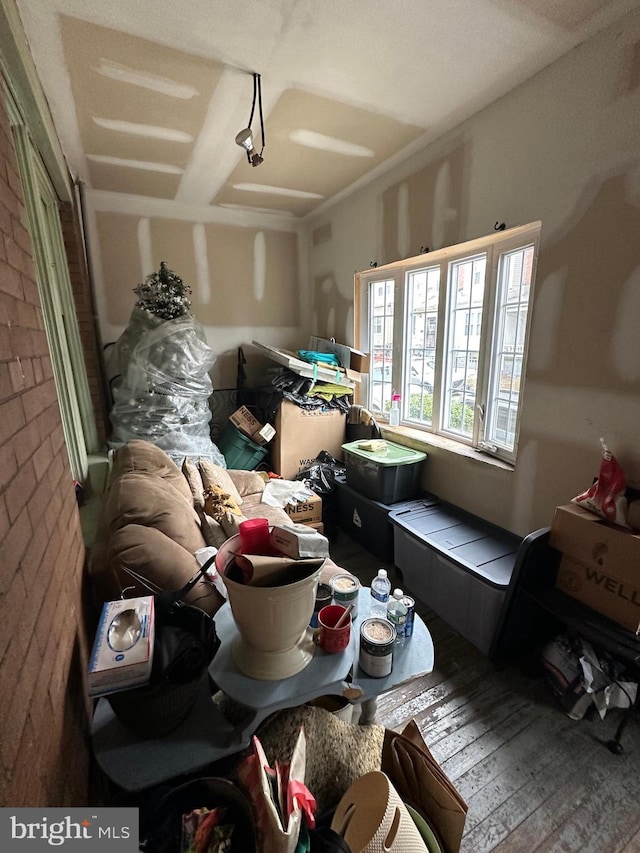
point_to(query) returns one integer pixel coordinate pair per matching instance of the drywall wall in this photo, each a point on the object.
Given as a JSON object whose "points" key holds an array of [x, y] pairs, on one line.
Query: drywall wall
{"points": [[561, 148]]}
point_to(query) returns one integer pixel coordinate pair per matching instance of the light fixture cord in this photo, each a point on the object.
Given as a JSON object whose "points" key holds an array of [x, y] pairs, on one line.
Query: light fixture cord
{"points": [[257, 95]]}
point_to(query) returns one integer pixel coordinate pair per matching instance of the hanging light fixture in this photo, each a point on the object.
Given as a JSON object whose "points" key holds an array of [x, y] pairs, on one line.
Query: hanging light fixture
{"points": [[245, 137]]}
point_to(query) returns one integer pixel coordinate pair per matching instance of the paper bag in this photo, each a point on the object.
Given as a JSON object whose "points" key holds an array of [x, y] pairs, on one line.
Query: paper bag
{"points": [[423, 784], [278, 795]]}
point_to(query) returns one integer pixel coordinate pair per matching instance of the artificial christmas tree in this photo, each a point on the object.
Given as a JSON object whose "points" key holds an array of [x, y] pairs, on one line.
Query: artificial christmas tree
{"points": [[163, 391]]}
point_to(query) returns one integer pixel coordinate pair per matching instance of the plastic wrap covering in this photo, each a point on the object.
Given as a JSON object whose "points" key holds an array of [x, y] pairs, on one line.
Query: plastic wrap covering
{"points": [[163, 392]]}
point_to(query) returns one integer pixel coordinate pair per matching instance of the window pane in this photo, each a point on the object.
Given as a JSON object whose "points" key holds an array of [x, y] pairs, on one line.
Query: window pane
{"points": [[423, 288], [381, 343], [512, 307], [466, 297]]}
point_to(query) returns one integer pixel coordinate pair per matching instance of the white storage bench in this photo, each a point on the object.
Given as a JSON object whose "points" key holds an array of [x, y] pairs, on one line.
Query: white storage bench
{"points": [[457, 564]]}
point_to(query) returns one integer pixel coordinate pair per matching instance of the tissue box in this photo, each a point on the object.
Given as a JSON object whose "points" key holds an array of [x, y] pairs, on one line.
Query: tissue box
{"points": [[287, 542], [122, 653]]}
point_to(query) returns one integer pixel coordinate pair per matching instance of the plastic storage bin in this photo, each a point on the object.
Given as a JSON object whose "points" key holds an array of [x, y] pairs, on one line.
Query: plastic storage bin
{"points": [[387, 476], [367, 521], [239, 451], [457, 564]]}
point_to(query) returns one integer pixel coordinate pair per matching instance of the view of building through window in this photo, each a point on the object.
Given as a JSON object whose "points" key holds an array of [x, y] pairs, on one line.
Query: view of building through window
{"points": [[448, 331]]}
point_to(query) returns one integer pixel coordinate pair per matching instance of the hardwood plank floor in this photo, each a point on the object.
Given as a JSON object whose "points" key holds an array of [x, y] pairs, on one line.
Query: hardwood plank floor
{"points": [[533, 779]]}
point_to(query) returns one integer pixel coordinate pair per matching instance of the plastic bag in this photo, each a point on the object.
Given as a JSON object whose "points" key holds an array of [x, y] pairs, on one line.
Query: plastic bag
{"points": [[163, 392], [322, 474], [606, 497]]}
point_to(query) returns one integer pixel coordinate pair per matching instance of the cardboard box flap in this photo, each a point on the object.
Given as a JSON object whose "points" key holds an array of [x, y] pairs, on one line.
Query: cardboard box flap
{"points": [[591, 540]]}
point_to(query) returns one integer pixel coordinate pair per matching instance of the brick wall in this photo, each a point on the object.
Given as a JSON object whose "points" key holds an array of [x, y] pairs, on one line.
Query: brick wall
{"points": [[85, 312], [44, 755]]}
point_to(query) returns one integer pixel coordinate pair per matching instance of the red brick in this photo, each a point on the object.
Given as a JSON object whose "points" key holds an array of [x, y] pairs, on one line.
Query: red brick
{"points": [[22, 236], [37, 399], [15, 542], [30, 291], [6, 351], [14, 181], [8, 464], [20, 490], [15, 256], [11, 418], [7, 196], [10, 280], [4, 523], [26, 442], [27, 317], [6, 384]]}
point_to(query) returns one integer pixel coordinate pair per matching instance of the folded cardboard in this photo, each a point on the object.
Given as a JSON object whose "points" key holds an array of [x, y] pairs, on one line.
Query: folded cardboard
{"points": [[122, 654], [600, 565], [301, 434], [306, 511]]}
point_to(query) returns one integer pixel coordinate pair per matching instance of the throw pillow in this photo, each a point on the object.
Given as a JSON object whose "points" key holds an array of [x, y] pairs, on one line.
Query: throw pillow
{"points": [[192, 475], [214, 475], [219, 503], [212, 530]]}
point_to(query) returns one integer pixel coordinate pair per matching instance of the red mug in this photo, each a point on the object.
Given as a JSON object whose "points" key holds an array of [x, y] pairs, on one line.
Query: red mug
{"points": [[326, 635]]}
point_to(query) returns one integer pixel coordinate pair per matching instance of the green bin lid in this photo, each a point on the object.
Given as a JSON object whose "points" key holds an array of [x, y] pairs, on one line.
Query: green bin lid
{"points": [[392, 454]]}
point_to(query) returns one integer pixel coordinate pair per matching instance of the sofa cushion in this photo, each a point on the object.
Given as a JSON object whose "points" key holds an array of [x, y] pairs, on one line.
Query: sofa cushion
{"points": [[153, 501], [142, 457], [247, 482], [252, 507], [149, 553], [214, 475], [213, 532]]}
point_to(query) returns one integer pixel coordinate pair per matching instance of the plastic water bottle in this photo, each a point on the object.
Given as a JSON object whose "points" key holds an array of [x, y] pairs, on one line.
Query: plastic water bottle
{"points": [[394, 413], [397, 612], [380, 592]]}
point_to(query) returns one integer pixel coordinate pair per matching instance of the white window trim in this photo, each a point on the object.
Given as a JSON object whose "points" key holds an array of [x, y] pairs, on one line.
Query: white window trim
{"points": [[54, 286], [493, 245]]}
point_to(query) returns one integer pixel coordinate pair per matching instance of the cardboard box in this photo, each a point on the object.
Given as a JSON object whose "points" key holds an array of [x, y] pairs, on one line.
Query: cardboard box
{"points": [[243, 420], [250, 426], [122, 653], [600, 565], [301, 434], [305, 512], [353, 360]]}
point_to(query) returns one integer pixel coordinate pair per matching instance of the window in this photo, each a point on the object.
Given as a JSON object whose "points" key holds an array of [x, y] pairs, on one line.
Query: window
{"points": [[56, 297], [449, 332]]}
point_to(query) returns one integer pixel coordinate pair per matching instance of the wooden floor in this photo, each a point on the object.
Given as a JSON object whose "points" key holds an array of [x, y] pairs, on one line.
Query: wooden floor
{"points": [[533, 779]]}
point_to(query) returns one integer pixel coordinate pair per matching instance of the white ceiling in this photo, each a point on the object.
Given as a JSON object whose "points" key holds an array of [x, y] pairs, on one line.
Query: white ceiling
{"points": [[387, 76]]}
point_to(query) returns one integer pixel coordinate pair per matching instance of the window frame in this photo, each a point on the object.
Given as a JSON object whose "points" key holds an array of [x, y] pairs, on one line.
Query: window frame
{"points": [[494, 246]]}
